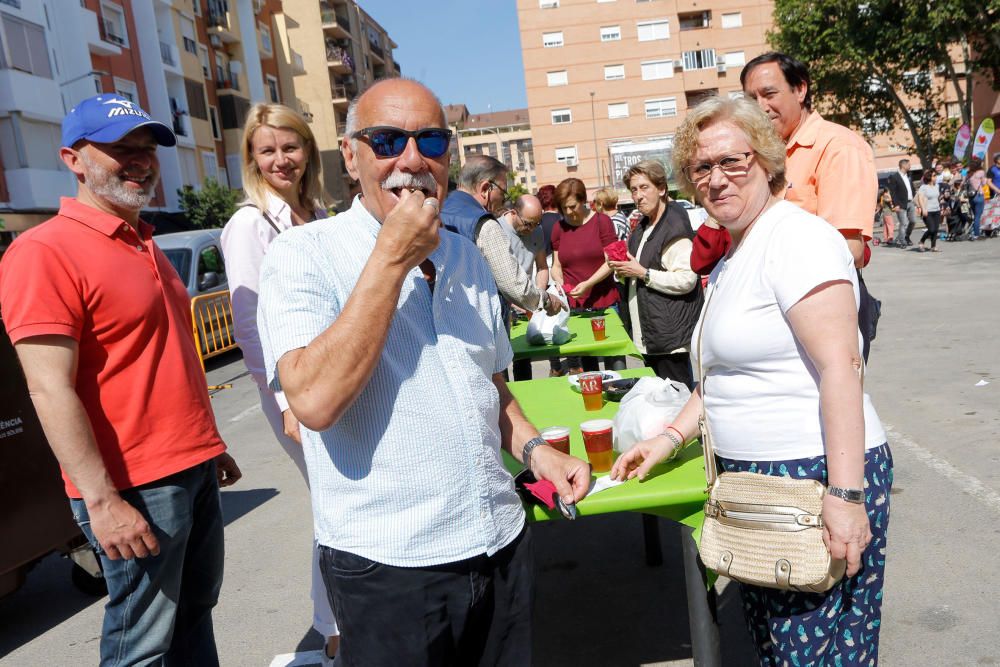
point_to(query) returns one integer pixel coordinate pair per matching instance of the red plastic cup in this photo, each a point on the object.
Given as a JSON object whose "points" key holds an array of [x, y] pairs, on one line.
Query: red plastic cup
{"points": [[558, 437], [597, 439], [597, 326], [592, 388]]}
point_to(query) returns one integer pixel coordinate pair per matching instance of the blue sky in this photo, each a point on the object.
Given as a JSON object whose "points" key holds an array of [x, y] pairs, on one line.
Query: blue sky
{"points": [[466, 51]]}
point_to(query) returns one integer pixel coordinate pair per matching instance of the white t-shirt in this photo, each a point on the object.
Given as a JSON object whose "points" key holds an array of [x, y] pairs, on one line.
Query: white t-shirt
{"points": [[761, 390]]}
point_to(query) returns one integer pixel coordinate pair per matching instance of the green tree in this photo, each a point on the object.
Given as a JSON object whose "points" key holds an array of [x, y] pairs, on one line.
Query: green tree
{"points": [[212, 206], [872, 63], [516, 190]]}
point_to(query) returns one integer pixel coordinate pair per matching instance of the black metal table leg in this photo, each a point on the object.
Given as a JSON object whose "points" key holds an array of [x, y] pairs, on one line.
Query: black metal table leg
{"points": [[702, 614]]}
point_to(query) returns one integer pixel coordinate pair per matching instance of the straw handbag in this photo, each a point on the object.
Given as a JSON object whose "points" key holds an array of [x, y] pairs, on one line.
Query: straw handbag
{"points": [[761, 529]]}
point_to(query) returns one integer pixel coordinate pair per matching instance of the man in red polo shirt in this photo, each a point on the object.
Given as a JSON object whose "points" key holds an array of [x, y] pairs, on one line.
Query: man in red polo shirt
{"points": [[101, 325]]}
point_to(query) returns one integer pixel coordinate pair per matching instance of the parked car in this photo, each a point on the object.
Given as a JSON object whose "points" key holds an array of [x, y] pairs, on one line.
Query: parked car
{"points": [[197, 257]]}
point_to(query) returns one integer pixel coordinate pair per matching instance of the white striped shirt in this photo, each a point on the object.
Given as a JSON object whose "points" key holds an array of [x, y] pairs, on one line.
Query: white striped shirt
{"points": [[411, 474]]}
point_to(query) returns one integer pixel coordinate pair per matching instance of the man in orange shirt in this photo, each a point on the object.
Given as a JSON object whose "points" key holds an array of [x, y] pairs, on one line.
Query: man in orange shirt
{"points": [[101, 325]]}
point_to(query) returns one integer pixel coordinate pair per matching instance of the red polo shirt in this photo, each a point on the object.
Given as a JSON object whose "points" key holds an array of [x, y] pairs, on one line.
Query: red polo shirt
{"points": [[88, 275]]}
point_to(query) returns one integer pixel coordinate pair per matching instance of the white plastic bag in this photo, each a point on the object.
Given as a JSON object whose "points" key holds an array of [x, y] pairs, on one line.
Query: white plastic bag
{"points": [[646, 410], [545, 329]]}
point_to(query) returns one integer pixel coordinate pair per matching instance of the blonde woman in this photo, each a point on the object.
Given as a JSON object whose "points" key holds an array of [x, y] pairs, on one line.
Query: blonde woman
{"points": [[281, 178]]}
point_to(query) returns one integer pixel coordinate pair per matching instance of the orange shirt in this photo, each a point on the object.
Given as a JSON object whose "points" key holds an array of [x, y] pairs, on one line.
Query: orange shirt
{"points": [[88, 275], [831, 173]]}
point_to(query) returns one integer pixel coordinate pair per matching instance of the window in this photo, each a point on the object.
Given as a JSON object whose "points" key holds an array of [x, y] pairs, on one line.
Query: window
{"points": [[559, 78], [551, 40], [126, 89], [732, 20], [567, 156], [561, 116], [700, 59], [114, 24], [272, 89], [736, 58], [650, 30], [206, 68], [953, 109], [694, 20], [195, 93], [187, 34], [661, 108], [210, 165], [657, 69], [26, 49], [548, 4], [611, 33], [210, 262], [265, 38], [197, 7], [614, 72], [618, 110], [213, 115]]}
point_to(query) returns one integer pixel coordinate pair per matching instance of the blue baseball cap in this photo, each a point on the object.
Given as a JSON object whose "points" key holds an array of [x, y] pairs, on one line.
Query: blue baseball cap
{"points": [[105, 119]]}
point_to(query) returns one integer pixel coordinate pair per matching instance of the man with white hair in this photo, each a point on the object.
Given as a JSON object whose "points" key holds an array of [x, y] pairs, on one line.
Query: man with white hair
{"points": [[384, 332], [102, 327]]}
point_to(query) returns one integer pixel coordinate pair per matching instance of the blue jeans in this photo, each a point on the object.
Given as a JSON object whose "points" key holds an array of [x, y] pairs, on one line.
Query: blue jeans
{"points": [[159, 609], [978, 203]]}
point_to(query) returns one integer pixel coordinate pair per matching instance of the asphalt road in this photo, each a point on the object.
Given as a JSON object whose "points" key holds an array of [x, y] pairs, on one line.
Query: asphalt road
{"points": [[598, 604]]}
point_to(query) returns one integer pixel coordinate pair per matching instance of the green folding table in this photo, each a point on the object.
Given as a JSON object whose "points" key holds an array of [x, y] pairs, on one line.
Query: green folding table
{"points": [[674, 490], [581, 343]]}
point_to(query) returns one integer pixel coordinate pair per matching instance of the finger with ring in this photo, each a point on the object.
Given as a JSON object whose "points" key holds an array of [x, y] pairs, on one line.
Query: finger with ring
{"points": [[432, 201]]}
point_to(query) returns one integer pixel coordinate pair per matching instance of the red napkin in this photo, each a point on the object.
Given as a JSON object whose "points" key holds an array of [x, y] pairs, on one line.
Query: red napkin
{"points": [[545, 491], [617, 251]]}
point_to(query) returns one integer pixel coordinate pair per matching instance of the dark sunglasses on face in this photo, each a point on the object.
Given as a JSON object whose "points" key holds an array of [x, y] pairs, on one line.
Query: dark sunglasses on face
{"points": [[388, 141]]}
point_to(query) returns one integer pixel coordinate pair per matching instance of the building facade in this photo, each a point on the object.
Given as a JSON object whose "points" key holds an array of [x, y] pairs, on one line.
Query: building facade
{"points": [[198, 66], [344, 51], [608, 82], [504, 135]]}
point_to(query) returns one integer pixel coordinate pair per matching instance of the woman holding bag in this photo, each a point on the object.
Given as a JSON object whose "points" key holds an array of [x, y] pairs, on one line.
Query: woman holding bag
{"points": [[281, 178], [780, 357]]}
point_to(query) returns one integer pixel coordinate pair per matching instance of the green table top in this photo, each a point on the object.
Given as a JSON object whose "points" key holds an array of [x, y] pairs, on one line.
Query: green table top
{"points": [[674, 490], [582, 341]]}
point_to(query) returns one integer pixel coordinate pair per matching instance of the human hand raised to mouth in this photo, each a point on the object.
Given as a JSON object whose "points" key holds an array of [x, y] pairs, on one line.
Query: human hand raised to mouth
{"points": [[410, 232]]}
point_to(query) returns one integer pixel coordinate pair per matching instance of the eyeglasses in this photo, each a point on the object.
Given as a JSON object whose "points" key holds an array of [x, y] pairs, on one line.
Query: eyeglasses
{"points": [[737, 164], [388, 141], [502, 189]]}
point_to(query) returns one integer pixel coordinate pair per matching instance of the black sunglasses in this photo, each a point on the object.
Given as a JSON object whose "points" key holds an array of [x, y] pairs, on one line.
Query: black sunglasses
{"points": [[388, 141]]}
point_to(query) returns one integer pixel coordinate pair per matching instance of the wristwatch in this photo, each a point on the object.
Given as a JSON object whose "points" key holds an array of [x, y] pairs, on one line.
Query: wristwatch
{"points": [[856, 496], [645, 278], [530, 447]]}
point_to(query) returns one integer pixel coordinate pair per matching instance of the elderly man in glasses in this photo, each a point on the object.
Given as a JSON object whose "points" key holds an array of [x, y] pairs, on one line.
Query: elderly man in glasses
{"points": [[472, 212], [384, 332]]}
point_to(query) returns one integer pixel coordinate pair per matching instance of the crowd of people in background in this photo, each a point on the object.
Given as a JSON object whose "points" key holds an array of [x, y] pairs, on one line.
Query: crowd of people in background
{"points": [[955, 202]]}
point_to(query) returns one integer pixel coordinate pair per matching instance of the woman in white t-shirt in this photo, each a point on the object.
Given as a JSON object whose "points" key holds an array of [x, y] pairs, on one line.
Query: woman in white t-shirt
{"points": [[781, 357], [929, 206], [281, 173]]}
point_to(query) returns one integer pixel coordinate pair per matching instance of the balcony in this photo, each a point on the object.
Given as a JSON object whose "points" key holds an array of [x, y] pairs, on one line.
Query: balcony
{"points": [[335, 24], [94, 35], [338, 59], [377, 52], [219, 22], [340, 98], [298, 66], [35, 95], [229, 84], [341, 129], [39, 188]]}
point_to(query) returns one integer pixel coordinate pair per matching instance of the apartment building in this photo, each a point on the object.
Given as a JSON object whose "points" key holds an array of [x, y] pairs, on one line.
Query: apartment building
{"points": [[194, 64], [344, 51], [504, 135], [608, 81]]}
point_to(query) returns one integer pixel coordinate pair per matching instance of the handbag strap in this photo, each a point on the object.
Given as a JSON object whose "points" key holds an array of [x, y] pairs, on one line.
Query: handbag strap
{"points": [[708, 449]]}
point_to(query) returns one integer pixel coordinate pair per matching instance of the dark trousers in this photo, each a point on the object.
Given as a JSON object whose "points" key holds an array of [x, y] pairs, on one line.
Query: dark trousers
{"points": [[675, 366], [933, 222], [471, 612]]}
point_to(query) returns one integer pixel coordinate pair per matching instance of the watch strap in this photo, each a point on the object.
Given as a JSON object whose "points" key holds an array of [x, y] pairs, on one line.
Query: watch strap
{"points": [[856, 496], [528, 448]]}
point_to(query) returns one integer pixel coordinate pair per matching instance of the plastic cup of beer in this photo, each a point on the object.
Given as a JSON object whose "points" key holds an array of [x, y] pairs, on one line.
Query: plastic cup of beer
{"points": [[597, 326], [597, 439], [592, 388], [557, 437]]}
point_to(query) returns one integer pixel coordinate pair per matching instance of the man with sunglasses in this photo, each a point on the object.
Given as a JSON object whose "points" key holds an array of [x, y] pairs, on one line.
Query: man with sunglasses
{"points": [[384, 332], [472, 212]]}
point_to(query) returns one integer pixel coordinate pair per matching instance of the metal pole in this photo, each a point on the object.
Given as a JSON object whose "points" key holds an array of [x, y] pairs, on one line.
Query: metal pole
{"points": [[597, 156], [702, 614]]}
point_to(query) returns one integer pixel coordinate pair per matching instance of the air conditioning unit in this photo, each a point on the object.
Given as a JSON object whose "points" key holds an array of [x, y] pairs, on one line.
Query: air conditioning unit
{"points": [[678, 64], [721, 66], [235, 66], [215, 41], [572, 162]]}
